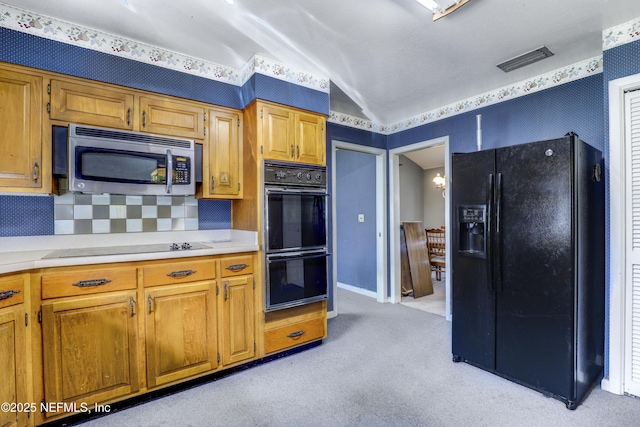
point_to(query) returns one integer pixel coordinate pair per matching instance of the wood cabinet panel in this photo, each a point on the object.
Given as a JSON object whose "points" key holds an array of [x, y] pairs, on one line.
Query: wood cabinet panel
{"points": [[90, 348], [11, 291], [292, 335], [223, 169], [13, 365], [278, 135], [169, 117], [236, 266], [310, 138], [238, 321], [87, 281], [181, 338], [20, 131], [91, 105], [178, 272]]}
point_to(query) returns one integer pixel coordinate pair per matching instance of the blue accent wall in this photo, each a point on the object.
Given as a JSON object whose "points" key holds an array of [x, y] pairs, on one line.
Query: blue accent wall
{"points": [[356, 170]]}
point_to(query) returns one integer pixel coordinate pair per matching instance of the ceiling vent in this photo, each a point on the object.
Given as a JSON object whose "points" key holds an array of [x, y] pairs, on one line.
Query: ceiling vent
{"points": [[525, 59]]}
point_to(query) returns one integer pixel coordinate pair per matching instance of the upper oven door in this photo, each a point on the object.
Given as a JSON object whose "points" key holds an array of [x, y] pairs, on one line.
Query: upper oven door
{"points": [[295, 220]]}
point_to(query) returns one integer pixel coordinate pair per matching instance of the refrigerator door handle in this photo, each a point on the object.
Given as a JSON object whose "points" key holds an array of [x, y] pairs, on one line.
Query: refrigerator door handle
{"points": [[488, 230], [498, 233]]}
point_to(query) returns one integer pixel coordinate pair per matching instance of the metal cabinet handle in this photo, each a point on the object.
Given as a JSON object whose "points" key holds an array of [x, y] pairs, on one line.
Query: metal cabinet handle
{"points": [[226, 291], [237, 267], [144, 119], [8, 294], [297, 334], [150, 304], [91, 283], [298, 151], [213, 183], [181, 273], [35, 172], [132, 303], [128, 116], [291, 150]]}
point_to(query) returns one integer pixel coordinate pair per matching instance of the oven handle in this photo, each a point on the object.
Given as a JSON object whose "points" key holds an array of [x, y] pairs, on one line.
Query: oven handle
{"points": [[296, 255], [169, 171], [295, 191]]}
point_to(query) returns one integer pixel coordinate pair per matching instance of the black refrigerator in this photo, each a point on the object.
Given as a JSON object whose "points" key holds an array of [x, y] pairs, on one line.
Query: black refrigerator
{"points": [[528, 264]]}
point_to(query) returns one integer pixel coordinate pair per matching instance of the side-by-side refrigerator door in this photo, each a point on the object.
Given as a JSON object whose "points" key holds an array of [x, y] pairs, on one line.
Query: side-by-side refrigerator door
{"points": [[473, 295], [535, 293]]}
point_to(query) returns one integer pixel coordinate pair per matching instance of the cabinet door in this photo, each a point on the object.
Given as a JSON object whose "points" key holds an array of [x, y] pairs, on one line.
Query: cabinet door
{"points": [[20, 130], [168, 117], [91, 105], [180, 331], [223, 153], [90, 348], [13, 365], [310, 139], [238, 324], [277, 133]]}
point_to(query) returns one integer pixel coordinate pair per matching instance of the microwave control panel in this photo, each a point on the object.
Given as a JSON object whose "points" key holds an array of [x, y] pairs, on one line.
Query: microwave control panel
{"points": [[181, 170]]}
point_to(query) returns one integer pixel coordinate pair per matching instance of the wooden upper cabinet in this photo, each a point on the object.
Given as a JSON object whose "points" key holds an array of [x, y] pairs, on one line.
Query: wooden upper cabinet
{"points": [[169, 117], [292, 135], [90, 348], [278, 136], [310, 138], [223, 168], [91, 105], [21, 165]]}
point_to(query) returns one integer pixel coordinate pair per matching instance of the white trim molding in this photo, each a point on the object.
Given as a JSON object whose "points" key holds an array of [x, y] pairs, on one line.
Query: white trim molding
{"points": [[614, 383]]}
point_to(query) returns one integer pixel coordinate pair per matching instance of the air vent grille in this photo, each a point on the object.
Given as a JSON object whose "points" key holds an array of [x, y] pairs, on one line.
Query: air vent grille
{"points": [[141, 138], [525, 59]]}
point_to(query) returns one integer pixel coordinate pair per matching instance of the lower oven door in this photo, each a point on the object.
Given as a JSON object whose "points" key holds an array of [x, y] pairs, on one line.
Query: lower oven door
{"points": [[296, 278]]}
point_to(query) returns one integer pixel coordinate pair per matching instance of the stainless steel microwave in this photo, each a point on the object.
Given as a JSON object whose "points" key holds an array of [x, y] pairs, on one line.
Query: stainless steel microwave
{"points": [[122, 162]]}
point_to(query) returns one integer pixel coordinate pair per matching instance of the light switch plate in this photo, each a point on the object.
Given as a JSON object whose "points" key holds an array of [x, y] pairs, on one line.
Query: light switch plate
{"points": [[360, 217]]}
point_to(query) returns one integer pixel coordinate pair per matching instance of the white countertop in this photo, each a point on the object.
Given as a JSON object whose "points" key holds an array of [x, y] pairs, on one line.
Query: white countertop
{"points": [[29, 252]]}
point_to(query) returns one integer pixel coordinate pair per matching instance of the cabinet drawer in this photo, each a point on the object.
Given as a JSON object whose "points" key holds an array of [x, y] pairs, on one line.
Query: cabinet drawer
{"points": [[294, 334], [177, 272], [11, 291], [236, 266], [84, 282]]}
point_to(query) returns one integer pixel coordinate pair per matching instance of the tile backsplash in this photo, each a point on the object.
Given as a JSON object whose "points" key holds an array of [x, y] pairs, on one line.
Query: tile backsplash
{"points": [[110, 213], [103, 213]]}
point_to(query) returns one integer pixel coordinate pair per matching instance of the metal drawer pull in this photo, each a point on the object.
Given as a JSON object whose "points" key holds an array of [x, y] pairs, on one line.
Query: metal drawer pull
{"points": [[237, 267], [181, 273], [297, 334], [8, 294], [150, 302], [91, 283]]}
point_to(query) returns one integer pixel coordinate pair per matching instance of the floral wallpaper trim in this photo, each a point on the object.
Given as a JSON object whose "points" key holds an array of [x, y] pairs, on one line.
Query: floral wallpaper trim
{"points": [[553, 78], [65, 32], [621, 34]]}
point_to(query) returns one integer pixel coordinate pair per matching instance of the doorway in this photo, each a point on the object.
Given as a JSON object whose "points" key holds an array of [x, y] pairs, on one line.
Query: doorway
{"points": [[394, 217], [372, 223]]}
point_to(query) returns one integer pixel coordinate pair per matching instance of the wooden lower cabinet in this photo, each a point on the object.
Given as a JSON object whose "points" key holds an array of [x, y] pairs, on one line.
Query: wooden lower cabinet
{"points": [[13, 366], [238, 320], [180, 326], [90, 348]]}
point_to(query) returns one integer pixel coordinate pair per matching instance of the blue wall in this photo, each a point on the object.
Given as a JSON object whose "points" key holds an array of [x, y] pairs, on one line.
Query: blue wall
{"points": [[356, 171]]}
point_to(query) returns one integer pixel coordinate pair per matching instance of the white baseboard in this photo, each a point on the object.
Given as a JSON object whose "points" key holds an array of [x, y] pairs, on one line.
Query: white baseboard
{"points": [[358, 290]]}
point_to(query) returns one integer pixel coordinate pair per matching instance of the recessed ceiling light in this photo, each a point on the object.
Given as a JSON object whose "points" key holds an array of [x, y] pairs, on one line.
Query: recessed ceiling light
{"points": [[525, 59]]}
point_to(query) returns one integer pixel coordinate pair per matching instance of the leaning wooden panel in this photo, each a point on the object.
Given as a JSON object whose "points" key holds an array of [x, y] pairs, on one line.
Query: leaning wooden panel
{"points": [[418, 258]]}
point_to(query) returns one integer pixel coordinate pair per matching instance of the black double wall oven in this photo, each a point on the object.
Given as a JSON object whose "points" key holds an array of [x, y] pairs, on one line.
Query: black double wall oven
{"points": [[295, 234]]}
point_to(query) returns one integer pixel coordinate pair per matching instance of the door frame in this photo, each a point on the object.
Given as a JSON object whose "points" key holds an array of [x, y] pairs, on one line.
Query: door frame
{"points": [[394, 216], [381, 218], [616, 318]]}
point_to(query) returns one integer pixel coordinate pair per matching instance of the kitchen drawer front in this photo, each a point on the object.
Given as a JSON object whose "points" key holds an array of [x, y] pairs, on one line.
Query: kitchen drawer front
{"points": [[177, 272], [11, 290], [85, 282], [293, 335], [236, 266]]}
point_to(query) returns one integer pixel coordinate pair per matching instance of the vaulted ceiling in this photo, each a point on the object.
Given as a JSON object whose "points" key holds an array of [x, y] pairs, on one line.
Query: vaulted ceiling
{"points": [[386, 59]]}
